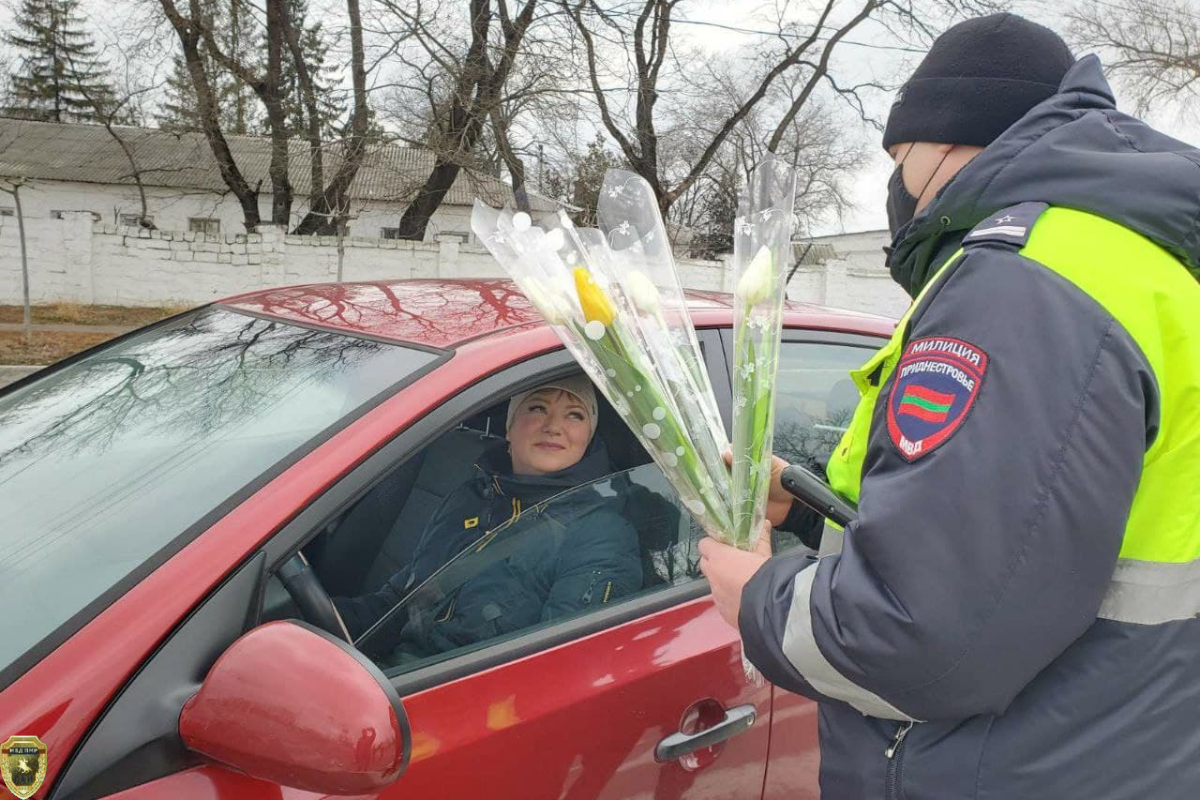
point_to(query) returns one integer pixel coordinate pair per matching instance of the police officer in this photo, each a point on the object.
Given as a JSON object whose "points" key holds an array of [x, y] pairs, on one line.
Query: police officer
{"points": [[1014, 613]]}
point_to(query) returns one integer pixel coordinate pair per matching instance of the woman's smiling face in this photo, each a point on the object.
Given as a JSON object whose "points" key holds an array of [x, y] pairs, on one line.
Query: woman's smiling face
{"points": [[549, 432]]}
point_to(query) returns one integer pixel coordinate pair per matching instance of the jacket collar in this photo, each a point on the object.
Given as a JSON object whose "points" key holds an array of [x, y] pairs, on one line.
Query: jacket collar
{"points": [[1073, 150], [495, 467]]}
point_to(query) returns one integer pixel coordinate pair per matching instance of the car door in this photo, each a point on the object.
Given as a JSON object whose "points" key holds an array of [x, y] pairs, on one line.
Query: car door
{"points": [[815, 400], [597, 705], [578, 709], [583, 707]]}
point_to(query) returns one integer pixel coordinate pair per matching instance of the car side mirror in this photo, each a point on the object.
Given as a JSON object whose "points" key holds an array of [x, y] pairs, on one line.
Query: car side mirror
{"points": [[292, 704]]}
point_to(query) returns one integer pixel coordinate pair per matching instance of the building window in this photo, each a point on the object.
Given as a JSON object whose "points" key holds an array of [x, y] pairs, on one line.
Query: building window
{"points": [[135, 220], [389, 233], [58, 214], [204, 225]]}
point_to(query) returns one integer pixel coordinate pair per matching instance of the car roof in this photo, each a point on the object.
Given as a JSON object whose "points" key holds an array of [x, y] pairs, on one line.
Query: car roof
{"points": [[446, 313]]}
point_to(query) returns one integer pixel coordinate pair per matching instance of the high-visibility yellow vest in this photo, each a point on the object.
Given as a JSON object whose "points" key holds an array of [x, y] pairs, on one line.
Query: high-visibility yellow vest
{"points": [[1149, 292]]}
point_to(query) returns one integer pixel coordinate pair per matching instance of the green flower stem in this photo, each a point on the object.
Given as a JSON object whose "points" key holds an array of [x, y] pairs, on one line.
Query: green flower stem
{"points": [[750, 426]]}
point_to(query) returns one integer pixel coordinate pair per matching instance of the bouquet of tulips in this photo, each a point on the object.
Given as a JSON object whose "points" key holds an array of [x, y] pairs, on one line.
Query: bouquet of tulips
{"points": [[613, 297]]}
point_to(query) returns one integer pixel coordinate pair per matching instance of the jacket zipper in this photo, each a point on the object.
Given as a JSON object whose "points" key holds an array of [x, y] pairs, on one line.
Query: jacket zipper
{"points": [[895, 757], [587, 596]]}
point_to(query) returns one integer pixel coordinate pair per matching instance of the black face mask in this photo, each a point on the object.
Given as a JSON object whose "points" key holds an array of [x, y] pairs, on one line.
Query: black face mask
{"points": [[901, 204]]}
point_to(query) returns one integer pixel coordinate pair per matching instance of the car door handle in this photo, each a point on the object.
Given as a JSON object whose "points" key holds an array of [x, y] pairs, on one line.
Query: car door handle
{"points": [[677, 745]]}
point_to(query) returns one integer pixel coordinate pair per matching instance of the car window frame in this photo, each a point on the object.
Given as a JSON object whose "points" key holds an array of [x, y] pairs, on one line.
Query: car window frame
{"points": [[867, 341], [484, 393]]}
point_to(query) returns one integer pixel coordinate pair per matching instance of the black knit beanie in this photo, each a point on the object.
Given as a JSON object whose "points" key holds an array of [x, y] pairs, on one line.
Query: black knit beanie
{"points": [[979, 78]]}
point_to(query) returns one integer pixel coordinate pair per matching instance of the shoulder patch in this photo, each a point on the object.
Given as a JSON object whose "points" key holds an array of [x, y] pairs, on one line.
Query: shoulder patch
{"points": [[1013, 225], [936, 383]]}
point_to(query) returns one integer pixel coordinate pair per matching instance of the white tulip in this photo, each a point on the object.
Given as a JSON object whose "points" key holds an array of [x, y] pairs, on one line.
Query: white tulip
{"points": [[555, 239], [543, 301], [758, 279], [642, 291]]}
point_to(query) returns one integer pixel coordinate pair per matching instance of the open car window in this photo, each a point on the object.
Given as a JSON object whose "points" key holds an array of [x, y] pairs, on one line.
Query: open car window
{"points": [[584, 549]]}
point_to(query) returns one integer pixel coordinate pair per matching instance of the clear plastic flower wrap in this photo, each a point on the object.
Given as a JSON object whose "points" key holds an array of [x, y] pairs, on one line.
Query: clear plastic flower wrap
{"points": [[628, 215], [613, 299], [761, 255]]}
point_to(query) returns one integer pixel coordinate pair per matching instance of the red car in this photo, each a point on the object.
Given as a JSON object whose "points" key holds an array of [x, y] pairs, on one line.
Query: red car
{"points": [[172, 497]]}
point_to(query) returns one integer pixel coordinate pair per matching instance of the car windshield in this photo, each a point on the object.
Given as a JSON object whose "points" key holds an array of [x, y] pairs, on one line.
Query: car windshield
{"points": [[139, 445]]}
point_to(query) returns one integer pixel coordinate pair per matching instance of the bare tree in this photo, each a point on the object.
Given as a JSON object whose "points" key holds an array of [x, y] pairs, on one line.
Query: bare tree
{"points": [[327, 200], [1151, 46], [12, 187], [823, 146], [327, 212], [630, 54], [464, 92], [110, 108], [267, 83], [191, 28], [648, 46]]}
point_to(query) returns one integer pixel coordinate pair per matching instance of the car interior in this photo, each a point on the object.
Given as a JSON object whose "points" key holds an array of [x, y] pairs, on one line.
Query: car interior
{"points": [[371, 540]]}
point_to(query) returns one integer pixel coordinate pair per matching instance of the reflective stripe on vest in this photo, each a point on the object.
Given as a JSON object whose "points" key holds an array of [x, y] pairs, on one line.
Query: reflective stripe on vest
{"points": [[1156, 300]]}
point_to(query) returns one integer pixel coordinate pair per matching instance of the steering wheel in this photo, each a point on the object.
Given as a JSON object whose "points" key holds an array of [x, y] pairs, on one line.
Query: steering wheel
{"points": [[315, 604]]}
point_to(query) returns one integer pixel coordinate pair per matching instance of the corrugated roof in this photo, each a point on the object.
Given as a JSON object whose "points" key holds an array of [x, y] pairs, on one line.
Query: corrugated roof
{"points": [[813, 253], [88, 153]]}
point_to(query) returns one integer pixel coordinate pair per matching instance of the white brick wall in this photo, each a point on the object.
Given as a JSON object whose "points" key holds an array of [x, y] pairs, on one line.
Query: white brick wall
{"points": [[77, 260], [171, 208], [857, 279]]}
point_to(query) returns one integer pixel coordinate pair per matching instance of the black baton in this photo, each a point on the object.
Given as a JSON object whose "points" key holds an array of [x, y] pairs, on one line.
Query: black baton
{"points": [[818, 495]]}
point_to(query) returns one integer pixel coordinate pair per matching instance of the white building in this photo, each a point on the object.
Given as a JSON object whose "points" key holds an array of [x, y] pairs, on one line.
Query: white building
{"points": [[80, 207], [74, 167], [848, 270]]}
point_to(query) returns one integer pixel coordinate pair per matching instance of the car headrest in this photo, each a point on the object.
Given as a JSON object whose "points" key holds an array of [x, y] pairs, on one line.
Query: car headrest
{"points": [[488, 423], [624, 450]]}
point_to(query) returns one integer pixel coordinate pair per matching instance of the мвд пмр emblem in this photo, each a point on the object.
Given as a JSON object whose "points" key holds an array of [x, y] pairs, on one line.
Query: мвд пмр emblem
{"points": [[23, 764], [936, 383]]}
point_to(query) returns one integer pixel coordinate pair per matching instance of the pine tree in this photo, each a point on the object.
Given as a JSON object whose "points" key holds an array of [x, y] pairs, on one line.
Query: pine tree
{"points": [[315, 51], [581, 186], [180, 110], [61, 77]]}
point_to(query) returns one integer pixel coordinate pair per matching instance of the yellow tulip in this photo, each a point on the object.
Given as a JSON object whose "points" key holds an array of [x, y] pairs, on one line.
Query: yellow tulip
{"points": [[596, 306]]}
